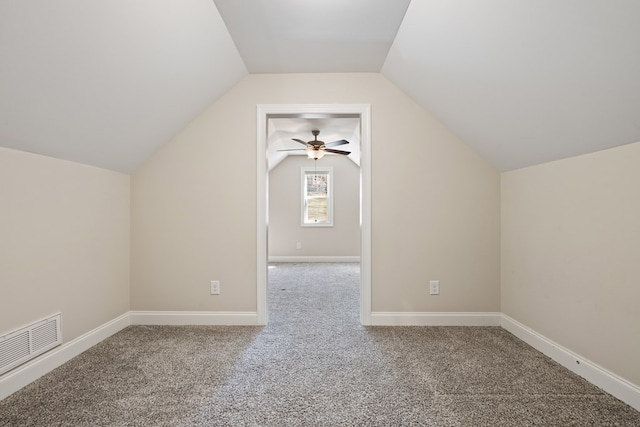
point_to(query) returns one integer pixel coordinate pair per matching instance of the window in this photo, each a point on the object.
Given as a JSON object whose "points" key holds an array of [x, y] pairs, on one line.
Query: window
{"points": [[317, 196]]}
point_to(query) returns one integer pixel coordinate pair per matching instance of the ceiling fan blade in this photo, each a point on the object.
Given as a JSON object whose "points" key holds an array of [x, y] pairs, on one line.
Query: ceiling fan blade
{"points": [[299, 140], [336, 143], [330, 150], [292, 149]]}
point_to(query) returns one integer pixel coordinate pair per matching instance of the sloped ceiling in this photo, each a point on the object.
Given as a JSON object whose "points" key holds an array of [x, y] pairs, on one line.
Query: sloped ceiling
{"points": [[107, 83], [524, 81]]}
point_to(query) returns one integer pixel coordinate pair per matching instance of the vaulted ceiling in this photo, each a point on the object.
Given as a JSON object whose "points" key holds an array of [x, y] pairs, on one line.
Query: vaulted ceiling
{"points": [[521, 81]]}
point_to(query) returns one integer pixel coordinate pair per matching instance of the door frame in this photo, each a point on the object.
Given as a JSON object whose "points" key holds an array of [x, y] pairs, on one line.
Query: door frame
{"points": [[264, 111]]}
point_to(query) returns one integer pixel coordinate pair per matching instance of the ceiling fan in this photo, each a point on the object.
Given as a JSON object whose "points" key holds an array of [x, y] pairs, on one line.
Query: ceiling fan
{"points": [[317, 149]]}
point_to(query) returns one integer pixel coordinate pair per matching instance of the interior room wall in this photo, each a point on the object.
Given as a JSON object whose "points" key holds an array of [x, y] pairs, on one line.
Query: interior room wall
{"points": [[571, 254], [285, 192], [65, 243], [435, 204]]}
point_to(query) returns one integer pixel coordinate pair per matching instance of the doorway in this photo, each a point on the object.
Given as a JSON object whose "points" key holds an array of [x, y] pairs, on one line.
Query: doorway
{"points": [[313, 111]]}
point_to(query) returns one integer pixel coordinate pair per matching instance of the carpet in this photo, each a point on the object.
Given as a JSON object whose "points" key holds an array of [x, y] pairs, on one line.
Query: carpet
{"points": [[313, 365]]}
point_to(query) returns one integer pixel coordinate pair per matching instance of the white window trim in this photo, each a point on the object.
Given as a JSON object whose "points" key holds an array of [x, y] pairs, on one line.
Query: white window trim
{"points": [[303, 172]]}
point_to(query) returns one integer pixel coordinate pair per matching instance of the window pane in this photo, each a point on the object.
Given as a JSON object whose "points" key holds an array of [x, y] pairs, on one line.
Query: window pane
{"points": [[317, 184], [317, 210], [316, 197], [317, 189]]}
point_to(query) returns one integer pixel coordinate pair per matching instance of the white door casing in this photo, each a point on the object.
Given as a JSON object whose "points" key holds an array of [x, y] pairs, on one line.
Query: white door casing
{"points": [[264, 111]]}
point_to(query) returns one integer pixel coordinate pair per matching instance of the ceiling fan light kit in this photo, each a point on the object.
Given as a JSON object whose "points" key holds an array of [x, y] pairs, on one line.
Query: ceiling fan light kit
{"points": [[315, 154], [317, 149]]}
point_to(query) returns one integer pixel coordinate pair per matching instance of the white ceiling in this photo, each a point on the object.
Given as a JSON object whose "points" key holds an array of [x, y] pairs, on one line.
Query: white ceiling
{"points": [[524, 81], [521, 81], [109, 82], [312, 36]]}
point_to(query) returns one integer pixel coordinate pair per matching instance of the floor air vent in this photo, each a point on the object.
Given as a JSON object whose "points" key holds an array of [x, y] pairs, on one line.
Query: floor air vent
{"points": [[26, 343]]}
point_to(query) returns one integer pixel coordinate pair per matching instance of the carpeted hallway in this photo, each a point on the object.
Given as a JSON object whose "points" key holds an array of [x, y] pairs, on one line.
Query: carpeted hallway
{"points": [[313, 365]]}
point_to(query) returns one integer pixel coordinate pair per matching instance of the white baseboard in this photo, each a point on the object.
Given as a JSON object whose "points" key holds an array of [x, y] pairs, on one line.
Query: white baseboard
{"points": [[19, 377], [314, 259], [435, 319], [611, 383], [227, 318]]}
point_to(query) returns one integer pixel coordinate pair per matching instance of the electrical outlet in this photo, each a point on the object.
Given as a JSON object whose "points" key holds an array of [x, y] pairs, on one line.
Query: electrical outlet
{"points": [[434, 287], [215, 287], [298, 245]]}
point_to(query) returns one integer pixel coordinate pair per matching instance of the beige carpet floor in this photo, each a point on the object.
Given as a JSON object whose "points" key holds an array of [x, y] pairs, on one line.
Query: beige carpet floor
{"points": [[313, 365]]}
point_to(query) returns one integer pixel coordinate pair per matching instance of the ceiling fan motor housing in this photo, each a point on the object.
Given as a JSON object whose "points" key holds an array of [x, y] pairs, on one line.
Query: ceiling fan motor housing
{"points": [[315, 144]]}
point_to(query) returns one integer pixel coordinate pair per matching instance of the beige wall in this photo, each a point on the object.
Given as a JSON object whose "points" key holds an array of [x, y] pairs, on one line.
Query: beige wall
{"points": [[435, 204], [285, 231], [64, 247], [571, 254]]}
